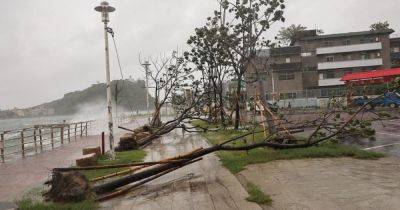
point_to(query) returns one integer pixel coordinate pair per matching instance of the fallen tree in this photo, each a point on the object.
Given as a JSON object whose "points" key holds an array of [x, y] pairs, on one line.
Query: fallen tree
{"points": [[145, 172]]}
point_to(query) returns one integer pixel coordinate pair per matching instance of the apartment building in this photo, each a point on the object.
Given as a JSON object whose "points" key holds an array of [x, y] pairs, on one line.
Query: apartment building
{"points": [[281, 71], [314, 65], [334, 55]]}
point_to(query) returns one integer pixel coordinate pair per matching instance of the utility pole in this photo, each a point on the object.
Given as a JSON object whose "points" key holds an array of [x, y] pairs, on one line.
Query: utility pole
{"points": [[105, 9], [146, 65]]}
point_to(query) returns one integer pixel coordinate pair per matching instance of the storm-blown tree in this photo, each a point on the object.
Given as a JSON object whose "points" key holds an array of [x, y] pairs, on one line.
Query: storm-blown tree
{"points": [[212, 61], [243, 35], [290, 34], [287, 36], [379, 26], [169, 75]]}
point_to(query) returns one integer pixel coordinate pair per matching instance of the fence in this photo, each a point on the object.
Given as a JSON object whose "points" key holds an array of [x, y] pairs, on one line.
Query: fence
{"points": [[39, 138]]}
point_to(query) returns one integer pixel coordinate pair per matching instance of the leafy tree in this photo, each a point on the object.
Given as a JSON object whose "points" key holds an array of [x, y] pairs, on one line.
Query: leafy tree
{"points": [[287, 36], [290, 34], [243, 35], [212, 61], [379, 26]]}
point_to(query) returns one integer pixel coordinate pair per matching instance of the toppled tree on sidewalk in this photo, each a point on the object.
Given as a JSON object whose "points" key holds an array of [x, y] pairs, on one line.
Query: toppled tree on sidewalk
{"points": [[142, 173]]}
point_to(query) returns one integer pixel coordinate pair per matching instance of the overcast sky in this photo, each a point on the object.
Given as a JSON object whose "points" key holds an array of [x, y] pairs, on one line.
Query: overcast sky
{"points": [[51, 47]]}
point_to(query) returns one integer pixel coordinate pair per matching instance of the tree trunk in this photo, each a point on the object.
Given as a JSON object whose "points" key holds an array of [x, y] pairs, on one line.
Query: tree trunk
{"points": [[238, 99], [221, 105]]}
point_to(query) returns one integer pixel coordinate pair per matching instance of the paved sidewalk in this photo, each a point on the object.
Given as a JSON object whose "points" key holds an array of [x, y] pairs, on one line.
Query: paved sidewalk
{"points": [[19, 175], [202, 185]]}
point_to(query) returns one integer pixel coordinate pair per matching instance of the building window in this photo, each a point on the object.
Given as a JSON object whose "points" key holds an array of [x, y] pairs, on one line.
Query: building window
{"points": [[328, 43], [329, 75], [346, 42], [288, 95], [378, 54], [287, 60], [347, 57], [307, 54], [365, 56], [286, 76], [330, 58], [396, 49]]}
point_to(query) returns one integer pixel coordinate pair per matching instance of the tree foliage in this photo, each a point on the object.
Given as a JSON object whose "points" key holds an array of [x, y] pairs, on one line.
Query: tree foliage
{"points": [[288, 35], [379, 26], [240, 34]]}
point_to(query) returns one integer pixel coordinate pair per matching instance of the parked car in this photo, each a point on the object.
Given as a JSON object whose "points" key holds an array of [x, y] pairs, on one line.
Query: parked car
{"points": [[389, 99]]}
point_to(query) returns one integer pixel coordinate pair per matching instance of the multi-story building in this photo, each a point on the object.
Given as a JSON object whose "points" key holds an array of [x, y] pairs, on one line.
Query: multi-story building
{"points": [[337, 54], [280, 70], [314, 65]]}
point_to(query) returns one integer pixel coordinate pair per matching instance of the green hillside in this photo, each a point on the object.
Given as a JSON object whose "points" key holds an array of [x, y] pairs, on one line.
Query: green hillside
{"points": [[131, 96]]}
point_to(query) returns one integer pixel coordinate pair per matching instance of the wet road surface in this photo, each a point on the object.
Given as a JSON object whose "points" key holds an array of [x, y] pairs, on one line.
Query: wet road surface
{"points": [[202, 185], [329, 184], [386, 140]]}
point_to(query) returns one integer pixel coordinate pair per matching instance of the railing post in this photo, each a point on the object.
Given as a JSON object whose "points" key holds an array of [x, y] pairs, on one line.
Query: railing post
{"points": [[52, 137], [81, 129], [23, 143], [76, 125], [40, 139], [86, 129], [103, 147], [2, 146], [69, 132], [62, 134], [35, 139]]}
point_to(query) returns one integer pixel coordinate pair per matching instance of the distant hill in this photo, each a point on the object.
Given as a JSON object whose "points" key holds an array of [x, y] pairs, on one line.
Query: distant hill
{"points": [[131, 97]]}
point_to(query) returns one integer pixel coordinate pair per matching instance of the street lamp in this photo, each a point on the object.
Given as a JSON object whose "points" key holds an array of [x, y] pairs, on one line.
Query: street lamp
{"points": [[105, 9], [147, 69]]}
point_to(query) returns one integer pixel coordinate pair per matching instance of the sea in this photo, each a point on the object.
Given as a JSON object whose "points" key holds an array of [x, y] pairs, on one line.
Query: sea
{"points": [[20, 123]]}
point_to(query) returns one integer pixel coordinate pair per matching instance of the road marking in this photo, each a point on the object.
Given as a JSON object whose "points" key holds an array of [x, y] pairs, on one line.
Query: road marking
{"points": [[389, 134], [387, 145]]}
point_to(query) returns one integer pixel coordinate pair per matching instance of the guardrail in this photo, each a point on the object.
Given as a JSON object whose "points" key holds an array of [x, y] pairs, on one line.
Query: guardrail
{"points": [[39, 138]]}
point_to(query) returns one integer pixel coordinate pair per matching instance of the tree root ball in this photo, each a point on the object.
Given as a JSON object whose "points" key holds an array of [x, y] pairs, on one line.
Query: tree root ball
{"points": [[67, 187]]}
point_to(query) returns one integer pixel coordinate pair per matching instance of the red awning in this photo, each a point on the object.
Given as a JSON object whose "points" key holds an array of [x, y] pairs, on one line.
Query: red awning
{"points": [[371, 75]]}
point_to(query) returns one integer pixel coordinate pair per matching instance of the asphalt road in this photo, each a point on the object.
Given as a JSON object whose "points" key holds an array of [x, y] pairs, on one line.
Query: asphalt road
{"points": [[386, 140]]}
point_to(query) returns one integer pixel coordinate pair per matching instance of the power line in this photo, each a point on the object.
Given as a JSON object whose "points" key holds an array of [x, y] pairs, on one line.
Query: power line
{"points": [[112, 33]]}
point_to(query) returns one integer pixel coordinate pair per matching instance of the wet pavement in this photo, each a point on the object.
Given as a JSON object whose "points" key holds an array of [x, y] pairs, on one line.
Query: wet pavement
{"points": [[20, 175], [386, 140], [329, 184], [202, 185]]}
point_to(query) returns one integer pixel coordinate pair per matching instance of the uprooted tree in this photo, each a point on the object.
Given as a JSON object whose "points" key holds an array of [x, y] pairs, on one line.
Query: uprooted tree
{"points": [[326, 128]]}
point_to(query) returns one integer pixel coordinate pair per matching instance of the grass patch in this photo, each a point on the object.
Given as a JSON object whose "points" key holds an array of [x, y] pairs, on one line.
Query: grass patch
{"points": [[256, 195], [32, 200], [29, 204], [236, 161], [121, 158]]}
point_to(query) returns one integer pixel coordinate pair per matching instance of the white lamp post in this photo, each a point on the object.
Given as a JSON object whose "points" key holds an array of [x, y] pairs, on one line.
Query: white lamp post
{"points": [[105, 9]]}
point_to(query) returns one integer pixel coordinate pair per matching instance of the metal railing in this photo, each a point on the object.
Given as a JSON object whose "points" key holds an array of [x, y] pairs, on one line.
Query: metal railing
{"points": [[38, 138]]}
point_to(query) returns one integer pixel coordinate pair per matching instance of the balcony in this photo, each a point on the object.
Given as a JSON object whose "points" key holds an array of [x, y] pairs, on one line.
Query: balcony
{"points": [[349, 48], [330, 82], [350, 64]]}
